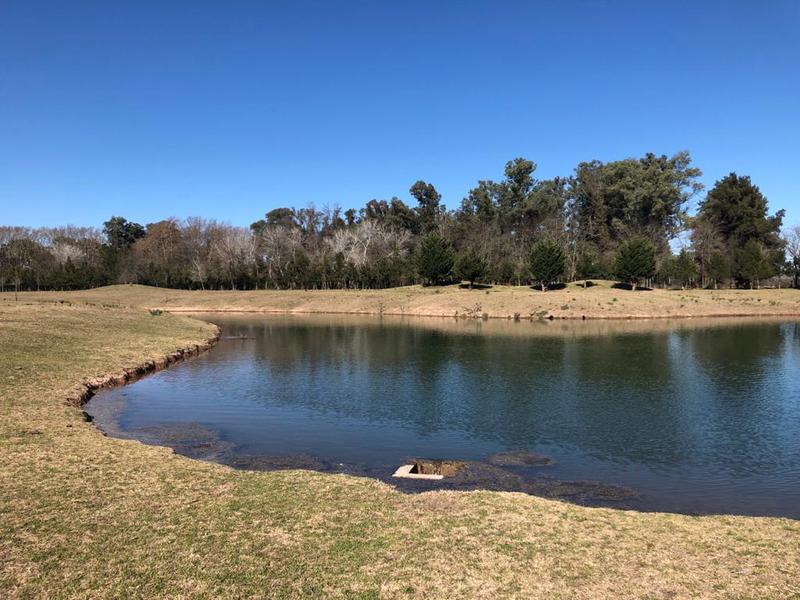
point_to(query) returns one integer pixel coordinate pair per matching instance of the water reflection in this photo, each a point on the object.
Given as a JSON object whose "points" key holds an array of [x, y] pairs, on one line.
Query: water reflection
{"points": [[697, 415]]}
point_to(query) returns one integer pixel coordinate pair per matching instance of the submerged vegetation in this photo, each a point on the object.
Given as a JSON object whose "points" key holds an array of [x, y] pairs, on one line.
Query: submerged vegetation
{"points": [[518, 230]]}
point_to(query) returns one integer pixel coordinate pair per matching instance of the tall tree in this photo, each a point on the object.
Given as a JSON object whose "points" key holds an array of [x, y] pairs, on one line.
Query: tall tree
{"points": [[161, 254], [647, 197], [120, 235], [737, 209], [429, 208], [792, 241]]}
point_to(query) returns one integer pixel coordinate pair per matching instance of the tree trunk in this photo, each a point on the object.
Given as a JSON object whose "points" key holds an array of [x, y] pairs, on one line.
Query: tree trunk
{"points": [[633, 287], [543, 288]]}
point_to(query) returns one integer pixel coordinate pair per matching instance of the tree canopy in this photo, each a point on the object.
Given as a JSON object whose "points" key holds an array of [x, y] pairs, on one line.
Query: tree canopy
{"points": [[587, 219]]}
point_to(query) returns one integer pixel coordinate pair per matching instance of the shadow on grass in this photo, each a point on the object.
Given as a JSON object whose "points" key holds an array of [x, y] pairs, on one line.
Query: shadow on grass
{"points": [[475, 286], [552, 288], [628, 287]]}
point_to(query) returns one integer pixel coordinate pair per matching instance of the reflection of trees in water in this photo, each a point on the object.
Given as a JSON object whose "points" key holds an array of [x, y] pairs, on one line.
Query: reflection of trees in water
{"points": [[690, 395], [746, 396]]}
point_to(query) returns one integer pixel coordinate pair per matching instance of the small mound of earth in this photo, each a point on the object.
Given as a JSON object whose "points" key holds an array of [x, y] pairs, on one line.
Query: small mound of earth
{"points": [[519, 458]]}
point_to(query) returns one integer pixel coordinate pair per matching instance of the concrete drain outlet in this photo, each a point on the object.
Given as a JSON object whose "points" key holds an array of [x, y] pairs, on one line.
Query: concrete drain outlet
{"points": [[429, 469]]}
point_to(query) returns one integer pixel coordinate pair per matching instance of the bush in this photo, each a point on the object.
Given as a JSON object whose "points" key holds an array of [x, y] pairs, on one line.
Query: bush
{"points": [[636, 260], [546, 263], [434, 259], [470, 266]]}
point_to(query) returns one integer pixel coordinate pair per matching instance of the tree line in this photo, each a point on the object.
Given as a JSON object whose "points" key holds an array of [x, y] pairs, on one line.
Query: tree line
{"points": [[615, 220]]}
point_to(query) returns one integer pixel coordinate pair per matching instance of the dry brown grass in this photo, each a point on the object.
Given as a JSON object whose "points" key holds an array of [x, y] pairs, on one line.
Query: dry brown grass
{"points": [[85, 516], [601, 301]]}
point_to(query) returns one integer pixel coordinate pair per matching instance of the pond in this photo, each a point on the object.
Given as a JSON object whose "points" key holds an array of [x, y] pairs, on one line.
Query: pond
{"points": [[686, 416]]}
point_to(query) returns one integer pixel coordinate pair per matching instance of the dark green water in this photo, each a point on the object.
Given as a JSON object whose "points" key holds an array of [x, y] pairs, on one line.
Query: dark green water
{"points": [[697, 417]]}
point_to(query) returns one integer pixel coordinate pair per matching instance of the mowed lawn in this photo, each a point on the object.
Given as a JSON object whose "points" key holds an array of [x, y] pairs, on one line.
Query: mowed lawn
{"points": [[86, 516]]}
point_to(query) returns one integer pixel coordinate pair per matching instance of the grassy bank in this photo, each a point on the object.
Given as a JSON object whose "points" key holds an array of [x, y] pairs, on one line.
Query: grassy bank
{"points": [[601, 301], [82, 515]]}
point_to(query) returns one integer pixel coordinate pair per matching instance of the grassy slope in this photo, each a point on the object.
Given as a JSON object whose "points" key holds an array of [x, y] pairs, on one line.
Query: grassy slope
{"points": [[601, 301], [82, 515]]}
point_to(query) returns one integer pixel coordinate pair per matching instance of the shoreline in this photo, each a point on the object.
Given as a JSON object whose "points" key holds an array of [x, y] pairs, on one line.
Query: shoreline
{"points": [[600, 302], [267, 311], [84, 392]]}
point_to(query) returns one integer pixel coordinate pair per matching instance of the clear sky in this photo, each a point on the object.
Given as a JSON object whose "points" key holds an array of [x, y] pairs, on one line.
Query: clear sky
{"points": [[157, 108]]}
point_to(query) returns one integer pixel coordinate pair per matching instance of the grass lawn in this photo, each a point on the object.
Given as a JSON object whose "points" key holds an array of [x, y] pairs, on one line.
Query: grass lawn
{"points": [[601, 301], [86, 516]]}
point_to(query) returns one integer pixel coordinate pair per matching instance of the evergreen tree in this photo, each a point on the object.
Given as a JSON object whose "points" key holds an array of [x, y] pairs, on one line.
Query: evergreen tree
{"points": [[504, 272], [434, 259], [636, 260], [684, 269], [470, 266], [719, 268], [737, 209], [589, 265], [429, 209], [546, 263], [752, 264]]}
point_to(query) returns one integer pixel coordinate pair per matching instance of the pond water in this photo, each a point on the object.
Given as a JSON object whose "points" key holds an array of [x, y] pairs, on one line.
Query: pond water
{"points": [[695, 416]]}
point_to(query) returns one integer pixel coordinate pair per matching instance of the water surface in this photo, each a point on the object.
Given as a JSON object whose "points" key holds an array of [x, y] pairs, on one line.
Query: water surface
{"points": [[698, 417]]}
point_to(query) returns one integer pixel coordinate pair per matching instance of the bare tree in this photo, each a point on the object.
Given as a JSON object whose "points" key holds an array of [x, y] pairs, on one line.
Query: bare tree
{"points": [[792, 238], [235, 248]]}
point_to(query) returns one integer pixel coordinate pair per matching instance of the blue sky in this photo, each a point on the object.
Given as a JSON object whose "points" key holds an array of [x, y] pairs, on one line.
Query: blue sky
{"points": [[150, 109]]}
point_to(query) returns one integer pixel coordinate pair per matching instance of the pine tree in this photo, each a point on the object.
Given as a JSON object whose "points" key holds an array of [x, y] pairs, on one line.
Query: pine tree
{"points": [[636, 260], [546, 263]]}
